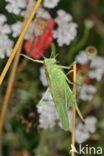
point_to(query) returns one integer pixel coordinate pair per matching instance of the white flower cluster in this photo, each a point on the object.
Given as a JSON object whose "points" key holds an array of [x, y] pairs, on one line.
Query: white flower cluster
{"points": [[66, 30], [47, 111], [84, 131], [96, 72], [82, 58], [43, 13], [87, 92], [97, 68], [19, 7], [50, 3], [4, 27], [16, 6], [43, 77], [16, 28], [96, 64], [6, 43]]}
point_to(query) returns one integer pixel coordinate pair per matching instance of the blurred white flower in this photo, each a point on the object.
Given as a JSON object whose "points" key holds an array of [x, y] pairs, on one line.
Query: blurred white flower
{"points": [[6, 46], [28, 8], [96, 74], [3, 19], [47, 95], [50, 3], [63, 17], [4, 28], [15, 6], [47, 112], [97, 62], [65, 34], [87, 92], [43, 13], [83, 131], [30, 31], [82, 58], [43, 77], [16, 28], [90, 124], [97, 68], [66, 30]]}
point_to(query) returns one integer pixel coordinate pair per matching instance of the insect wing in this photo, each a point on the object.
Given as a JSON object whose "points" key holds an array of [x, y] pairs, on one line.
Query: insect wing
{"points": [[58, 89], [70, 97]]}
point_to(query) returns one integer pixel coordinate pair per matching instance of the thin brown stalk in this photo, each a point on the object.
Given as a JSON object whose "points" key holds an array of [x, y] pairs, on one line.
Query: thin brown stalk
{"points": [[9, 88], [74, 110]]}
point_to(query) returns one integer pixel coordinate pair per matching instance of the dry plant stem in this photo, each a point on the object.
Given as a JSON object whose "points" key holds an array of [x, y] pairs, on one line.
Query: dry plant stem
{"points": [[7, 96], [73, 109], [9, 89], [26, 25]]}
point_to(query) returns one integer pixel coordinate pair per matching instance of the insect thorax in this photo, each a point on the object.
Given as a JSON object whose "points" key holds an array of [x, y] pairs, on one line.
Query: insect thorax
{"points": [[49, 65]]}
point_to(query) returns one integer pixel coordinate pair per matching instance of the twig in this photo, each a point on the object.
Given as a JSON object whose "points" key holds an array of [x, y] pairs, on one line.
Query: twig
{"points": [[26, 25], [74, 110]]}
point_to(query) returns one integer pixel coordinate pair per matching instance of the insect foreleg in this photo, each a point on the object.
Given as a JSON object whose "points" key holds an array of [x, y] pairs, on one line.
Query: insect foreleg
{"points": [[67, 67], [64, 67]]}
